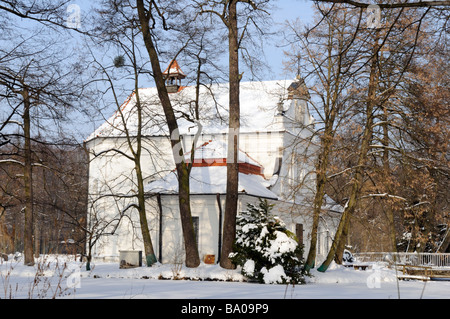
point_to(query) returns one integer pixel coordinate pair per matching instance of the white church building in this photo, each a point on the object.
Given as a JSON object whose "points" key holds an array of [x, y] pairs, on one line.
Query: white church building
{"points": [[277, 148]]}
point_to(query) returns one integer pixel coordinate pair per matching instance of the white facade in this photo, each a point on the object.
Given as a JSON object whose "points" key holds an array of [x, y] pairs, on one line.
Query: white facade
{"points": [[276, 134]]}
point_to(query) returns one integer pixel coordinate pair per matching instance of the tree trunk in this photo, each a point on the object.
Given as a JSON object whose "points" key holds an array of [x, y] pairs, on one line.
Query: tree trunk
{"points": [[330, 108], [89, 255], [28, 183], [6, 240], [445, 245], [190, 243], [192, 256], [387, 174], [338, 245], [318, 200], [37, 236], [229, 225], [148, 245]]}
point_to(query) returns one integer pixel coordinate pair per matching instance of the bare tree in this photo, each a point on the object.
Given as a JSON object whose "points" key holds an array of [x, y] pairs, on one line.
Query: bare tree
{"points": [[128, 62], [51, 15], [30, 95], [148, 14], [36, 89], [229, 15], [328, 56], [395, 5], [378, 93]]}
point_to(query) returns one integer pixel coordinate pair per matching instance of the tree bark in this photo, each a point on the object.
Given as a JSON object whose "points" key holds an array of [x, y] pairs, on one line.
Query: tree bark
{"points": [[28, 182], [387, 174], [145, 231], [445, 245], [148, 245], [229, 224], [6, 240], [321, 180]]}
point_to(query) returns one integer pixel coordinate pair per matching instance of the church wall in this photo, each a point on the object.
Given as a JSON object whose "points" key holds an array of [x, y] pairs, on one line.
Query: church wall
{"points": [[203, 207], [112, 181], [113, 174]]}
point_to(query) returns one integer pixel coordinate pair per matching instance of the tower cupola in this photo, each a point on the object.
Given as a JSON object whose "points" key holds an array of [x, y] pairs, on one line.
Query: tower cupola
{"points": [[298, 90], [173, 76]]}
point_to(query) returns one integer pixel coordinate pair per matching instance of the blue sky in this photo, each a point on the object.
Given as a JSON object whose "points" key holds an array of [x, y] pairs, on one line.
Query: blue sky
{"points": [[289, 10], [285, 10]]}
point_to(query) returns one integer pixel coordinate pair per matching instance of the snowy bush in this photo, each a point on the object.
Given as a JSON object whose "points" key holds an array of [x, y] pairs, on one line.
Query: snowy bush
{"points": [[265, 249]]}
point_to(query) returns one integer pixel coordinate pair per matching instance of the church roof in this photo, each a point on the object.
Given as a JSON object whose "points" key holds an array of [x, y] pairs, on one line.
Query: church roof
{"points": [[209, 174], [212, 180], [258, 106], [217, 151]]}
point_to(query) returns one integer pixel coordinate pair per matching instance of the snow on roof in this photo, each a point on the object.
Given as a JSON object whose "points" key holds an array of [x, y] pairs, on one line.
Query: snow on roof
{"points": [[258, 105], [218, 150], [305, 200], [212, 180], [330, 205]]}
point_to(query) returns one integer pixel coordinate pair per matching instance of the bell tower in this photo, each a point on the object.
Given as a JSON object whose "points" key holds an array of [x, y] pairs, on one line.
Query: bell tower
{"points": [[173, 76], [298, 93]]}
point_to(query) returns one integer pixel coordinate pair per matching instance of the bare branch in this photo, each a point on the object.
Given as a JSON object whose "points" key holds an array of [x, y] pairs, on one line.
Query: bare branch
{"points": [[413, 4]]}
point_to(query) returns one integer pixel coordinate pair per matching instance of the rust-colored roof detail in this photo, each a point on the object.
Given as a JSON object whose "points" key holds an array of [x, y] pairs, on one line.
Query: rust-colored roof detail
{"points": [[180, 88], [174, 70], [253, 168]]}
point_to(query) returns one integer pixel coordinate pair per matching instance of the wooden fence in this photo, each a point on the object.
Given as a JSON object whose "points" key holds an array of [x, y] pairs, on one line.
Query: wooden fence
{"points": [[413, 259]]}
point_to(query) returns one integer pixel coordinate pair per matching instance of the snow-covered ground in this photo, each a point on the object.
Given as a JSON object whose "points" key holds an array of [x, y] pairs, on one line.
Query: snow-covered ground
{"points": [[61, 277]]}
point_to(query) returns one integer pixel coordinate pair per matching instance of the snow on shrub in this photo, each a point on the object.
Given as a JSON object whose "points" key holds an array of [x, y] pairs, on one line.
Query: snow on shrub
{"points": [[265, 249]]}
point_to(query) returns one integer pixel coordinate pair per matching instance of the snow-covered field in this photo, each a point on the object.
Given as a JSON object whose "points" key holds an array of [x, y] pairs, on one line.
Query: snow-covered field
{"points": [[63, 278]]}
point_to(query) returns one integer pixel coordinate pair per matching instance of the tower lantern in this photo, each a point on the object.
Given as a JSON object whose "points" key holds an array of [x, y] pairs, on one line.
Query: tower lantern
{"points": [[173, 76]]}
